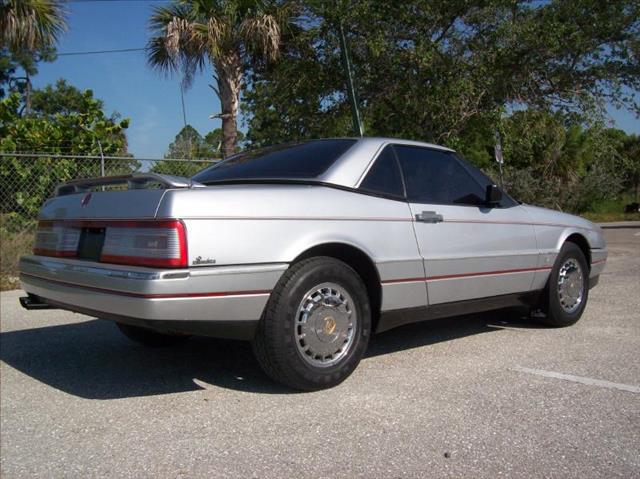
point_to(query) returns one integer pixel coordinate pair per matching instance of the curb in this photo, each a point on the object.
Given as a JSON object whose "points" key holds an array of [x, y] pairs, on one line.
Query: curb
{"points": [[620, 225]]}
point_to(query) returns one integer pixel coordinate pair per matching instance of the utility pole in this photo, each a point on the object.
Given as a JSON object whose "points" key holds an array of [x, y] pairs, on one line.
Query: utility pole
{"points": [[184, 119], [346, 62], [101, 158], [101, 162]]}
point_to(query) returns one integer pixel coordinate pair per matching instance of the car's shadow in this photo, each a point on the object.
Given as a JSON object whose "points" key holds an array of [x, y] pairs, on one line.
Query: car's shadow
{"points": [[91, 359]]}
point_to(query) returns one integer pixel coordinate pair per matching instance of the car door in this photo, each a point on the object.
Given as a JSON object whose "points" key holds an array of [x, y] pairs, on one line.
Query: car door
{"points": [[469, 250], [401, 267]]}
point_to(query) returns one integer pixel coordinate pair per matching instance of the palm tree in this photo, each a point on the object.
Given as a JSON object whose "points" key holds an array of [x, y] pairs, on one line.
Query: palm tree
{"points": [[30, 24], [226, 33], [29, 29]]}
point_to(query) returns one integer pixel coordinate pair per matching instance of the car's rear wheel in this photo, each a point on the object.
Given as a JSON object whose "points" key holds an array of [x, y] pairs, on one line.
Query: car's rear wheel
{"points": [[567, 291], [150, 337], [316, 325]]}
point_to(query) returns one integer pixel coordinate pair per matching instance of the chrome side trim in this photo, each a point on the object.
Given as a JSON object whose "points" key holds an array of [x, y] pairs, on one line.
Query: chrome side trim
{"points": [[57, 266], [240, 269]]}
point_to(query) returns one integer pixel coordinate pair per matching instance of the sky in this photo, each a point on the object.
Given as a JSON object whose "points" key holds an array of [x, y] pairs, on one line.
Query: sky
{"points": [[124, 81], [129, 86]]}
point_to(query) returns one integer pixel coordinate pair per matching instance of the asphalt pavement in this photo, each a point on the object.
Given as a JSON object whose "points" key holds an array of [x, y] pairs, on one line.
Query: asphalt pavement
{"points": [[485, 395]]}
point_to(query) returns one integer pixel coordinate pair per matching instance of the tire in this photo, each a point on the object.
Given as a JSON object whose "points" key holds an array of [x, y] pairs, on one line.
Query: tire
{"points": [[150, 337], [335, 329], [558, 304]]}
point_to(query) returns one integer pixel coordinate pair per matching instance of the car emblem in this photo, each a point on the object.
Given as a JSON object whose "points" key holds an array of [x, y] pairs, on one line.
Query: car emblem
{"points": [[85, 199]]}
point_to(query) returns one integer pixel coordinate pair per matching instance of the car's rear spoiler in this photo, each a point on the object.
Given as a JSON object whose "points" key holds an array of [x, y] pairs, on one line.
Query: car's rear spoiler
{"points": [[133, 181]]}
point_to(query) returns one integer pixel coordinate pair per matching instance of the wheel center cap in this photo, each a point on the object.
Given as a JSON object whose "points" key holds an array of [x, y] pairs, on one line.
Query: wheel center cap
{"points": [[329, 325]]}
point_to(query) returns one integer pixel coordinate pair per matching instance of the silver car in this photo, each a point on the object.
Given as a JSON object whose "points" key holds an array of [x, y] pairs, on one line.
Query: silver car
{"points": [[306, 249]]}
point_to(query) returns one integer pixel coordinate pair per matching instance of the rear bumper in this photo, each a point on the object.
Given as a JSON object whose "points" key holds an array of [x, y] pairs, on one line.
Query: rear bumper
{"points": [[222, 294]]}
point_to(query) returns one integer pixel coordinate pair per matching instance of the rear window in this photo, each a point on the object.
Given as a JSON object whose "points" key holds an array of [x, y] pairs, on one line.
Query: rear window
{"points": [[306, 160]]}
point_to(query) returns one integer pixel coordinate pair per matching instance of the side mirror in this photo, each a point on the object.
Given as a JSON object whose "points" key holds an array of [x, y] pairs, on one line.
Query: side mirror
{"points": [[492, 196]]}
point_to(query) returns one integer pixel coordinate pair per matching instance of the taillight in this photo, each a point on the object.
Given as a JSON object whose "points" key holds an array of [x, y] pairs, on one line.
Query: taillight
{"points": [[56, 239], [145, 243], [142, 243]]}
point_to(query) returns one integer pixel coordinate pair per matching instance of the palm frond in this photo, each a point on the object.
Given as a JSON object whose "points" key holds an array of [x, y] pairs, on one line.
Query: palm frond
{"points": [[261, 35], [31, 24], [218, 36], [178, 35], [176, 45], [158, 56]]}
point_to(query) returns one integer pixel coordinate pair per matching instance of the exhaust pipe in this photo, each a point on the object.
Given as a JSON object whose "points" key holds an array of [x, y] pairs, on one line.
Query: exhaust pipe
{"points": [[34, 302]]}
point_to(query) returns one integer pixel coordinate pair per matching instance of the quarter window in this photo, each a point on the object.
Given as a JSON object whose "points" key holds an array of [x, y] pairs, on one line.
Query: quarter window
{"points": [[433, 176], [384, 176]]}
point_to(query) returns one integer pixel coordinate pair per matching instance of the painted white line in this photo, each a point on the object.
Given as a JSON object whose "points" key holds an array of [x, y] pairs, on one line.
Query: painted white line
{"points": [[580, 379], [636, 234], [509, 328]]}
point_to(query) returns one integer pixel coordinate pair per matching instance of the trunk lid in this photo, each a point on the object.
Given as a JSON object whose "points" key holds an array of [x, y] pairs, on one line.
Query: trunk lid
{"points": [[137, 197], [90, 220], [125, 204]]}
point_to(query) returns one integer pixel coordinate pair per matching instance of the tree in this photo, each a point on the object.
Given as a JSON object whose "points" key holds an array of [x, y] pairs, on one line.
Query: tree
{"points": [[31, 24], [29, 30], [228, 34], [11, 62], [627, 159], [213, 141], [188, 143], [552, 158], [64, 121], [188, 152], [631, 164], [431, 69]]}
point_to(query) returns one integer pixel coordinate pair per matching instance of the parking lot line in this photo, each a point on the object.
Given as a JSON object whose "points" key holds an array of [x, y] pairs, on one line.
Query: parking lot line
{"points": [[580, 379]]}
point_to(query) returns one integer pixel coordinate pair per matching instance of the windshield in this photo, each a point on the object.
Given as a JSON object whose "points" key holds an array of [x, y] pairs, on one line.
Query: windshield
{"points": [[303, 161]]}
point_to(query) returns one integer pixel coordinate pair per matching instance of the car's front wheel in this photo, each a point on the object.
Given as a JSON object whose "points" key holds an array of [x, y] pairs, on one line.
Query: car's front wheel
{"points": [[316, 325], [567, 291]]}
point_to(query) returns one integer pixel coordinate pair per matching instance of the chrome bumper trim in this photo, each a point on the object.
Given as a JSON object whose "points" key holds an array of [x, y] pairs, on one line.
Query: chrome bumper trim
{"points": [[229, 293], [57, 266]]}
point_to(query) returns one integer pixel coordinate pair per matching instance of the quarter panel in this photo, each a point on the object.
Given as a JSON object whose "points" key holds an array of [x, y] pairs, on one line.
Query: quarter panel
{"points": [[252, 224]]}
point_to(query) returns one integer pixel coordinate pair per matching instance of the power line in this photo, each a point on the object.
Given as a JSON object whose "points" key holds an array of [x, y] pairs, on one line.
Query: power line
{"points": [[98, 52]]}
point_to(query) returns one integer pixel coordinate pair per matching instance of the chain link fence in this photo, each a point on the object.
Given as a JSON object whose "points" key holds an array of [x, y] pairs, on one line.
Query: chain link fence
{"points": [[28, 179]]}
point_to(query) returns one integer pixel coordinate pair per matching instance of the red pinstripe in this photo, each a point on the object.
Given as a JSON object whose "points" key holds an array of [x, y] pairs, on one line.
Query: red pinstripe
{"points": [[326, 218], [464, 275]]}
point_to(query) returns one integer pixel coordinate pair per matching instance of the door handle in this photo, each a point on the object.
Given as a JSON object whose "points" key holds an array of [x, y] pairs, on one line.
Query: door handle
{"points": [[429, 217]]}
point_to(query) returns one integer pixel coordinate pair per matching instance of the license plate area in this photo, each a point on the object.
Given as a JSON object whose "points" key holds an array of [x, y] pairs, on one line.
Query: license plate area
{"points": [[91, 243]]}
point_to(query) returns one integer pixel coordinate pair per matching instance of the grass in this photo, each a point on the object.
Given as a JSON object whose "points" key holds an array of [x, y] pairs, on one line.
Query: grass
{"points": [[7, 283], [607, 217], [612, 209], [12, 246]]}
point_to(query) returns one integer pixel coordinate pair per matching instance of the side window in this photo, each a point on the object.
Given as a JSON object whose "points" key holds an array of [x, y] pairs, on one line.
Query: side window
{"points": [[384, 176], [484, 180], [433, 176]]}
